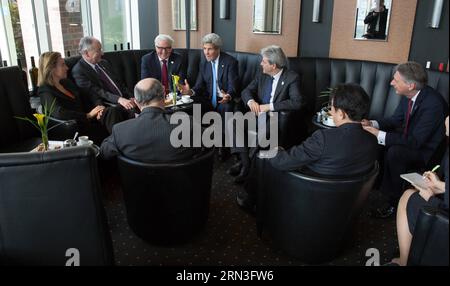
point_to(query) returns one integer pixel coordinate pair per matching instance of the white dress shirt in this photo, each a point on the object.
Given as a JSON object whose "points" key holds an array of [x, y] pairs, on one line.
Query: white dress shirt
{"points": [[276, 79], [382, 134]]}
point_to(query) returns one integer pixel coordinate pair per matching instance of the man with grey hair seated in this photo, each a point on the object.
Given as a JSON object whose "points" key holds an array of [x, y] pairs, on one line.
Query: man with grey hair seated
{"points": [[217, 81], [95, 77], [163, 62], [411, 135], [274, 89], [147, 137]]}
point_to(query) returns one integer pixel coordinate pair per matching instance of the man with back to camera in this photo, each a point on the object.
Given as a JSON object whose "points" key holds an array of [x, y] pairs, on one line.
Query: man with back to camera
{"points": [[411, 135], [346, 150], [147, 137]]}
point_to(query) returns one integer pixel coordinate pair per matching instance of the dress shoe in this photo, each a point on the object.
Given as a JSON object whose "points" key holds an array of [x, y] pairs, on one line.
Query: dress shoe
{"points": [[235, 169], [224, 154], [245, 203], [385, 211]]}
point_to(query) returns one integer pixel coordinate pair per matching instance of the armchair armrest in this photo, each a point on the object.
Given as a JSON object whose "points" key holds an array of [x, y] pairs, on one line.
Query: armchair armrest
{"points": [[429, 246]]}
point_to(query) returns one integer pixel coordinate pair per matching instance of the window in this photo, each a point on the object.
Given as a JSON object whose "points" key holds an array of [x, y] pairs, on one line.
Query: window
{"points": [[179, 15], [114, 22], [29, 28]]}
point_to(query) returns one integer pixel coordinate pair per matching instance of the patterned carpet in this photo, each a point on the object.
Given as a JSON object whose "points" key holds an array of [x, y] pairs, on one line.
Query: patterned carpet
{"points": [[229, 238]]}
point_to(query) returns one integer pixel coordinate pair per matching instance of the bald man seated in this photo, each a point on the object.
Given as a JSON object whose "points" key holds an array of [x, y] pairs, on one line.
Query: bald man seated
{"points": [[147, 137]]}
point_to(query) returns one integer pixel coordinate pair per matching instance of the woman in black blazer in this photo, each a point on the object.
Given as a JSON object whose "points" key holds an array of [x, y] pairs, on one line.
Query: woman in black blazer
{"points": [[94, 120]]}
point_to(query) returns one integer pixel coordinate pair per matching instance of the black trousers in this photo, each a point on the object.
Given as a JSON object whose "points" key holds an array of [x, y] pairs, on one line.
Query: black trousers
{"points": [[398, 160], [112, 115]]}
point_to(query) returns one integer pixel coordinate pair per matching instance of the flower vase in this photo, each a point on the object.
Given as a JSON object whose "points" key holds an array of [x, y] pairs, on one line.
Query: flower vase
{"points": [[174, 98], [44, 136]]}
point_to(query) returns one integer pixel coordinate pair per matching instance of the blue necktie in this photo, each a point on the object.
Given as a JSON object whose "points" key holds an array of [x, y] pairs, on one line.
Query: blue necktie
{"points": [[214, 90], [267, 90]]}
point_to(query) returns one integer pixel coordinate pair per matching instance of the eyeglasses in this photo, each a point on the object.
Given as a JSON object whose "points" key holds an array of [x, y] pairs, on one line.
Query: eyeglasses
{"points": [[164, 48]]}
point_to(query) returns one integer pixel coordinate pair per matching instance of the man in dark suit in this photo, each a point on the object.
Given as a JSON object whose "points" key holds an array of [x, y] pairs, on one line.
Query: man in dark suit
{"points": [[343, 151], [217, 82], [376, 21], [163, 62], [147, 137], [275, 89], [411, 135], [96, 79]]}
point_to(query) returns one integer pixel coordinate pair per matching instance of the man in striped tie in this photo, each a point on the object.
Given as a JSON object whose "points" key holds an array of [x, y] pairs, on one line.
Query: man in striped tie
{"points": [[95, 77], [411, 136]]}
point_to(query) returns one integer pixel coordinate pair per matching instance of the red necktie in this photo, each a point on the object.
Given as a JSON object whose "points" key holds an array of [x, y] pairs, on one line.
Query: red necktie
{"points": [[410, 104], [165, 76]]}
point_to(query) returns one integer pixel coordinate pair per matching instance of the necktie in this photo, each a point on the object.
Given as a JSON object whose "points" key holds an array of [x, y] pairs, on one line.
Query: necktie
{"points": [[267, 91], [165, 76], [408, 115], [214, 89], [107, 82]]}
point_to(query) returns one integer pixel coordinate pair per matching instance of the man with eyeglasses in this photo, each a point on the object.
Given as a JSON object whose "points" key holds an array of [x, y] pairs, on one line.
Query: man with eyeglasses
{"points": [[163, 62]]}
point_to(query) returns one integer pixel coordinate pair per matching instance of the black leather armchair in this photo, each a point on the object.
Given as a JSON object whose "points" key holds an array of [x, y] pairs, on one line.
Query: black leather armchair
{"points": [[18, 135], [51, 202], [307, 217], [429, 246], [167, 203]]}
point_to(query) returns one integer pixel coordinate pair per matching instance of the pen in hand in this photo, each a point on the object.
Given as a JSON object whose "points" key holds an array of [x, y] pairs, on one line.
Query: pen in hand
{"points": [[435, 168], [432, 171]]}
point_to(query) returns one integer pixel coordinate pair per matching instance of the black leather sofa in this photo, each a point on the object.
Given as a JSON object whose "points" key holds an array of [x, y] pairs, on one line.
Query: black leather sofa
{"points": [[317, 74]]}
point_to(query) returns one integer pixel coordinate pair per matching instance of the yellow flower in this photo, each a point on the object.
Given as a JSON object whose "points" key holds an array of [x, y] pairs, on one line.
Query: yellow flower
{"points": [[176, 79], [40, 119]]}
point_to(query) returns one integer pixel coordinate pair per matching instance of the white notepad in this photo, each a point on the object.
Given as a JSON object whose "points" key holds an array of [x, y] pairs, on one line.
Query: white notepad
{"points": [[416, 179]]}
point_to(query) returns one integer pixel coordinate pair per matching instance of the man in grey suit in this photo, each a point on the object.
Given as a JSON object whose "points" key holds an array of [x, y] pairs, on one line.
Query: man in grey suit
{"points": [[274, 89], [147, 137]]}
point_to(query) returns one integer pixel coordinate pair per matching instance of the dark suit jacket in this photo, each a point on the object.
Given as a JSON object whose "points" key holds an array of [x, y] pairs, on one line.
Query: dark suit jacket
{"points": [[372, 19], [146, 139], [151, 67], [346, 150], [287, 94], [426, 128], [66, 108], [88, 80], [227, 77]]}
